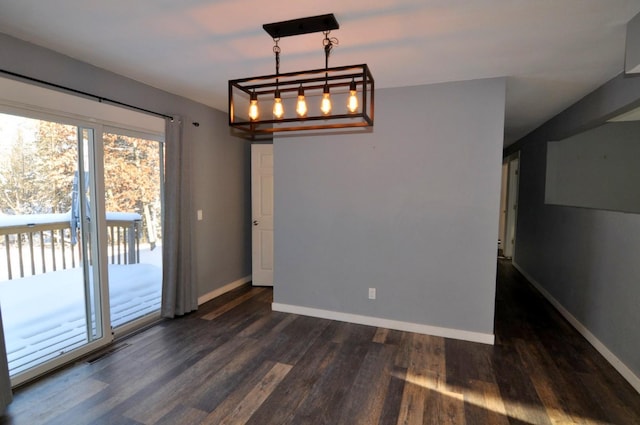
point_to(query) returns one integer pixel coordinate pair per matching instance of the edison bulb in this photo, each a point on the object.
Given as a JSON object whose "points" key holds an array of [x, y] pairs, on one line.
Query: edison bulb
{"points": [[325, 106], [253, 110], [352, 104], [301, 107], [278, 109]]}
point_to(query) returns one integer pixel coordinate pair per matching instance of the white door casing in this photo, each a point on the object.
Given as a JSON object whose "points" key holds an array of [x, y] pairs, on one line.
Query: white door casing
{"points": [[502, 226], [262, 214], [512, 208]]}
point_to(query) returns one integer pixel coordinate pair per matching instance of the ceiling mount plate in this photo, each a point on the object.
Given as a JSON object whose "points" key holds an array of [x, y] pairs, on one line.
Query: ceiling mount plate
{"points": [[302, 26]]}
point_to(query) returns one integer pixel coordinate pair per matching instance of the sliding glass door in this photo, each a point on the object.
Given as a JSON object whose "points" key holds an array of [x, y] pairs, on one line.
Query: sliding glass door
{"points": [[50, 293], [80, 236]]}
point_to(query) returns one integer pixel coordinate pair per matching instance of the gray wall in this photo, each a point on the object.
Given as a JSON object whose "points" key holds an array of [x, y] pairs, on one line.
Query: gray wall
{"points": [[597, 168], [410, 209], [632, 50], [586, 259], [221, 171]]}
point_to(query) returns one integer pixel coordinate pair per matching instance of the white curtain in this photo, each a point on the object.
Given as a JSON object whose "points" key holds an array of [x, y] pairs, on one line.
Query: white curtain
{"points": [[5, 383], [179, 291]]}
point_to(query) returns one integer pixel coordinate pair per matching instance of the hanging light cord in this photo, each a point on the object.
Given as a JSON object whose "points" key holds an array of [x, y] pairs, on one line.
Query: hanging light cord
{"points": [[276, 50], [328, 46]]}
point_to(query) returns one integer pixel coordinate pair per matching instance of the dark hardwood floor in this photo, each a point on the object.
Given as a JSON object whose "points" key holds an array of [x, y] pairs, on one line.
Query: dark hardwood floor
{"points": [[235, 362]]}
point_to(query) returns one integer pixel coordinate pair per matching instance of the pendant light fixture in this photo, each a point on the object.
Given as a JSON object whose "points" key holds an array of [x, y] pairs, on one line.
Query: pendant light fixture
{"points": [[316, 99]]}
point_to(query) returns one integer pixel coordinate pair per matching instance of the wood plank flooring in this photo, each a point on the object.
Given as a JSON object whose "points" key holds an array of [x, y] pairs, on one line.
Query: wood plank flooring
{"points": [[237, 362]]}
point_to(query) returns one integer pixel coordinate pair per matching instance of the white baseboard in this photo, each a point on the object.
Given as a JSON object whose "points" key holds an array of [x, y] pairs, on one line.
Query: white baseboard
{"points": [[385, 323], [626, 373], [226, 288]]}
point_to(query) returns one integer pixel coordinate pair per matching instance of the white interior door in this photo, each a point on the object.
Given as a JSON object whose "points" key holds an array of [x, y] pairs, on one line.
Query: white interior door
{"points": [[262, 214]]}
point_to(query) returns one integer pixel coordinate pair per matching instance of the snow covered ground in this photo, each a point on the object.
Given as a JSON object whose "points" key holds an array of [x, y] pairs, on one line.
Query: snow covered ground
{"points": [[44, 315]]}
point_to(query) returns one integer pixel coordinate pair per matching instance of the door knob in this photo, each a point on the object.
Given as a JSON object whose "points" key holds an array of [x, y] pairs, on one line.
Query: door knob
{"points": [[255, 222]]}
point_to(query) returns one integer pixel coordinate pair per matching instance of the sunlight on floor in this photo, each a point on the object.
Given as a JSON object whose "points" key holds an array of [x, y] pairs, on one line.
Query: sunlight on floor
{"points": [[488, 397]]}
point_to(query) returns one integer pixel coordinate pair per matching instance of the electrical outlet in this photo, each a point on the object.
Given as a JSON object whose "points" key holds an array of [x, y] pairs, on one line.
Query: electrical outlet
{"points": [[199, 215], [372, 293]]}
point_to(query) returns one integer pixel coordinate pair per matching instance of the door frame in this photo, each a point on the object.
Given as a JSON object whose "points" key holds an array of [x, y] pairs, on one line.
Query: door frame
{"points": [[511, 221], [148, 319]]}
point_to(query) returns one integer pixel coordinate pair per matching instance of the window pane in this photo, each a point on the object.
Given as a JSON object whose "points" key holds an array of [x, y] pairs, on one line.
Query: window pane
{"points": [[133, 201]]}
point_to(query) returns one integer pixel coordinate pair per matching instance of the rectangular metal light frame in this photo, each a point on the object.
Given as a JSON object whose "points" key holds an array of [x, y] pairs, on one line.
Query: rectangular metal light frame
{"points": [[337, 78]]}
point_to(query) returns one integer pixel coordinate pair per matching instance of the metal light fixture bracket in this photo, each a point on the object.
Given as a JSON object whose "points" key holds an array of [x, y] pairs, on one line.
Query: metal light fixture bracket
{"points": [[340, 81], [302, 26]]}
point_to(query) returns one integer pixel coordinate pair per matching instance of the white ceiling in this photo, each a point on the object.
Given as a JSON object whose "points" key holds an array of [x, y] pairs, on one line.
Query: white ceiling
{"points": [[553, 52]]}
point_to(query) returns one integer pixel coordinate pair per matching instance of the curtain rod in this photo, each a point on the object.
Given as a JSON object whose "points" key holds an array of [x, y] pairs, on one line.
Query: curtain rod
{"points": [[83, 93]]}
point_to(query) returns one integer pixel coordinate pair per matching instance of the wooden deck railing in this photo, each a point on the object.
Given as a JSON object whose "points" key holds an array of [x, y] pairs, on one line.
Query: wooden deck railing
{"points": [[124, 241], [45, 244]]}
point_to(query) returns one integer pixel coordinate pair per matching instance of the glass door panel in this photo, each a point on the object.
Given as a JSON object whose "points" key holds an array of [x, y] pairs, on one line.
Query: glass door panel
{"points": [[133, 171], [50, 305]]}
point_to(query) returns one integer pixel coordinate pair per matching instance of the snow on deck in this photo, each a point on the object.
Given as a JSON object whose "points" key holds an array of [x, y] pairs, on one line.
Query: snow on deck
{"points": [[7, 220], [44, 315]]}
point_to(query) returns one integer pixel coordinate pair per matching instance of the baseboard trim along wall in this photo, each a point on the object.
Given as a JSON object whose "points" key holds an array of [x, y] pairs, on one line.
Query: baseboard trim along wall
{"points": [[385, 323], [226, 288], [585, 332]]}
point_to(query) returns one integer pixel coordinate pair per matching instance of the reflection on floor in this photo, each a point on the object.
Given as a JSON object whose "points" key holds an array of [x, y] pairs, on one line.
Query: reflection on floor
{"points": [[45, 315]]}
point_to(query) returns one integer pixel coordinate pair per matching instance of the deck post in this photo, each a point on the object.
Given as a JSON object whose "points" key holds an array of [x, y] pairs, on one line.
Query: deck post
{"points": [[131, 243]]}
